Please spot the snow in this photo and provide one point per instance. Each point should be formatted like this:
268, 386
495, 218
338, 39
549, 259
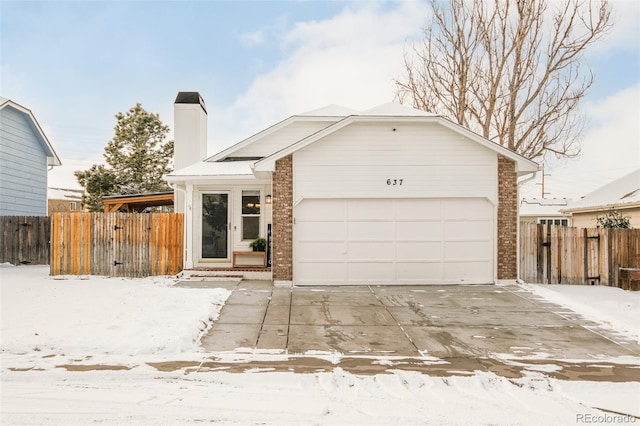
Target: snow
214, 168
612, 308
103, 317
49, 324
625, 190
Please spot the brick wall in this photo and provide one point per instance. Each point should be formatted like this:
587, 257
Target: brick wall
282, 222
507, 219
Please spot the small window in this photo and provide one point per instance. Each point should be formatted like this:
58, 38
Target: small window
250, 215
73, 206
557, 222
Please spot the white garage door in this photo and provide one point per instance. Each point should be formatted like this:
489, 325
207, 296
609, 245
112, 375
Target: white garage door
402, 241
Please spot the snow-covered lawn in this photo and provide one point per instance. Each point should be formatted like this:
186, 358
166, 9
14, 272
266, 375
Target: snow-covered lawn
114, 323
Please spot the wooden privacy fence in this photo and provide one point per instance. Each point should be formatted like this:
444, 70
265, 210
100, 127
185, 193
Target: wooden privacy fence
24, 240
551, 254
116, 244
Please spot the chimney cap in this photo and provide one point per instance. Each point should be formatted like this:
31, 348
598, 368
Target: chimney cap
190, 98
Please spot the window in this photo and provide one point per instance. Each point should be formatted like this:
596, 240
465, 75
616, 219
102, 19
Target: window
250, 215
558, 222
73, 206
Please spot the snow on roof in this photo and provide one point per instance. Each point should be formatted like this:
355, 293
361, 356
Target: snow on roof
214, 168
396, 109
391, 109
329, 111
64, 194
543, 206
625, 190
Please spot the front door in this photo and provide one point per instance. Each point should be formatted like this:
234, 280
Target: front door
215, 226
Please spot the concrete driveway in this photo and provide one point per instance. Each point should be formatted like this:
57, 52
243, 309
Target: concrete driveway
470, 327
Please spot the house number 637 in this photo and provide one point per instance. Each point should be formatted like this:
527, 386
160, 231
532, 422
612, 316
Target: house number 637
393, 182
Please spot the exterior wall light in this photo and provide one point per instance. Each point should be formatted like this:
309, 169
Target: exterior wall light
267, 199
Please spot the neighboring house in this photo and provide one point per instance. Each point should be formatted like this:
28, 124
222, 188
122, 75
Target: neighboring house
64, 200
622, 195
26, 155
392, 195
544, 210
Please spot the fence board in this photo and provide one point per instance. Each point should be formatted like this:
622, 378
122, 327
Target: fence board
116, 244
25, 239
564, 255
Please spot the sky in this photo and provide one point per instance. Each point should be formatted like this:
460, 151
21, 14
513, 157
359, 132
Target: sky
76, 64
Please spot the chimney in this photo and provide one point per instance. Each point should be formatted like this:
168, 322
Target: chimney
189, 130
189, 136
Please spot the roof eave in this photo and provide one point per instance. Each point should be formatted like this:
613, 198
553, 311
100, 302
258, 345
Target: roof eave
601, 207
52, 157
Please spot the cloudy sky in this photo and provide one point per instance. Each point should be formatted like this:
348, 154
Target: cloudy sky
77, 64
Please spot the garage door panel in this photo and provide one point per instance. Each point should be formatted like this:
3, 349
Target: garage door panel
424, 251
419, 231
470, 272
321, 231
467, 231
418, 272
365, 210
460, 250
321, 272
321, 251
370, 231
370, 272
417, 210
371, 251
323, 210
467, 209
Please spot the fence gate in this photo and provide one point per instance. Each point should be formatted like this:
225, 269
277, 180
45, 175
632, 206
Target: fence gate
552, 254
24, 240
117, 244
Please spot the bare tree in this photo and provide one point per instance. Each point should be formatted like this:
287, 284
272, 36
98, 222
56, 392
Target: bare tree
510, 70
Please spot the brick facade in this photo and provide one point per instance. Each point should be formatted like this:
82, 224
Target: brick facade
507, 219
282, 222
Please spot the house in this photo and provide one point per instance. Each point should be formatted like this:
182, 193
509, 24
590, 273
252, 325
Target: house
26, 155
64, 200
391, 195
544, 210
622, 195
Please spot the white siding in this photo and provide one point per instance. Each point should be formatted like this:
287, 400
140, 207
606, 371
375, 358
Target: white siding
23, 167
282, 138
432, 161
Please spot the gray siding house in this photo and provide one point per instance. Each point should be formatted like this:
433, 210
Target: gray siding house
25, 157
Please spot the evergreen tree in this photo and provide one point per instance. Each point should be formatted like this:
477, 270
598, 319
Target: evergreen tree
97, 182
138, 157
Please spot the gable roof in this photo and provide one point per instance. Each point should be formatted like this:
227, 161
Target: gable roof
337, 117
397, 112
52, 157
623, 192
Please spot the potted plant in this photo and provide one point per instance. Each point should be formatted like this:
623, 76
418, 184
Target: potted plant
259, 244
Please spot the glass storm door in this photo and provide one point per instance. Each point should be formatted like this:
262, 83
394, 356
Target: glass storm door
215, 229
